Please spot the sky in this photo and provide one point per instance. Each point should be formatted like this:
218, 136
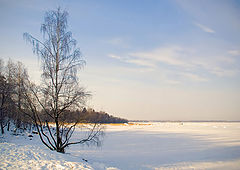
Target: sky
146, 60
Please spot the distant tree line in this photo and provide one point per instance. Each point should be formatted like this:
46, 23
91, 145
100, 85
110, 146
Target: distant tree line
91, 116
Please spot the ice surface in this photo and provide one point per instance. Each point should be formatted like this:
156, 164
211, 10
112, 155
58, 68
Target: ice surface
169, 145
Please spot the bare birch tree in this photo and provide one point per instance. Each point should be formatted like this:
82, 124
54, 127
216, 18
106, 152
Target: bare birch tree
60, 90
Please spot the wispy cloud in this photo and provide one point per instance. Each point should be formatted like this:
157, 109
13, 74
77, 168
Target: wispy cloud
204, 28
168, 55
134, 60
217, 67
115, 56
141, 62
184, 63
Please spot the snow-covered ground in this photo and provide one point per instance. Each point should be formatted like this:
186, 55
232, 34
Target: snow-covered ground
139, 146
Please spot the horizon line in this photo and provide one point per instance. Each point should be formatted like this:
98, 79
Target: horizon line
183, 120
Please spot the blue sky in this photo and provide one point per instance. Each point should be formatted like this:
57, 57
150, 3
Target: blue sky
148, 59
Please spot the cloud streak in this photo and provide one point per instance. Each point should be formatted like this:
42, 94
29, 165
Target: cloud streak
141, 62
167, 55
204, 28
184, 63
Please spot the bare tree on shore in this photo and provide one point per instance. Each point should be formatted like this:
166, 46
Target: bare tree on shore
60, 90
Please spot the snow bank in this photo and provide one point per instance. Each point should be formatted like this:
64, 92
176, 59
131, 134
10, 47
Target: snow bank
14, 156
24, 152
